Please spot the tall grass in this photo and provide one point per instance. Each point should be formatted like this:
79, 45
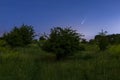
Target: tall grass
114, 50
31, 63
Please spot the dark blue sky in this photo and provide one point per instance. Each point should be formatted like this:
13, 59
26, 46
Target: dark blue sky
87, 16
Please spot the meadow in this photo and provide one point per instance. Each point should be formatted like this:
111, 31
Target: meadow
31, 63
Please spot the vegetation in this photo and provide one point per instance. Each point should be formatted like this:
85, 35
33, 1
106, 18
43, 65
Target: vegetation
30, 62
21, 36
102, 40
62, 42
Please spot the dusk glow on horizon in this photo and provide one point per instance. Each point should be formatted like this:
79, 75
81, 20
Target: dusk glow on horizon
86, 16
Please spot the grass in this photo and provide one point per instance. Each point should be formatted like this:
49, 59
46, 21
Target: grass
31, 63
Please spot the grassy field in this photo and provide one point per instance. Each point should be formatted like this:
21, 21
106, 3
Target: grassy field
31, 63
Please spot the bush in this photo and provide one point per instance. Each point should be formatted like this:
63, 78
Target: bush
21, 36
103, 43
62, 42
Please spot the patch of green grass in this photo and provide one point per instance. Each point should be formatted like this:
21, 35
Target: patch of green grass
31, 63
114, 51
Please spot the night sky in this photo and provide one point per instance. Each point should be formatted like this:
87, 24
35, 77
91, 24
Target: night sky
86, 16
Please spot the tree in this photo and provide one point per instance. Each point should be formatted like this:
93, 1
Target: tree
114, 38
62, 42
21, 36
92, 41
43, 37
103, 33
103, 43
102, 40
84, 41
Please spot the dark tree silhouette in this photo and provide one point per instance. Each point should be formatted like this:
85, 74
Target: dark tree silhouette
102, 40
62, 42
21, 36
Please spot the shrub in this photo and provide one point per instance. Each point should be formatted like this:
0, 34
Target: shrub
62, 42
21, 36
103, 43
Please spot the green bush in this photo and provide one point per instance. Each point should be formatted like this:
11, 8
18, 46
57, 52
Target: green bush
62, 42
102, 42
21, 36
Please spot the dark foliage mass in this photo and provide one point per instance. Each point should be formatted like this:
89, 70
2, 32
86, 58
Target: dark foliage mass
98, 59
62, 42
114, 38
21, 36
102, 42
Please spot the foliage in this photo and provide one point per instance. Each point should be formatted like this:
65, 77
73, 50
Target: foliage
43, 37
21, 36
84, 41
102, 40
114, 39
103, 33
92, 41
114, 50
3, 43
28, 64
32, 63
62, 42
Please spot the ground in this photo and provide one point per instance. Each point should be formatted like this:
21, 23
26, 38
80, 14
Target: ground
31, 63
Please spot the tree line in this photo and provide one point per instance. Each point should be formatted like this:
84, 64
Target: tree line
61, 41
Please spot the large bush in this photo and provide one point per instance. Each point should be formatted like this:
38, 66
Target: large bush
62, 42
21, 36
103, 43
